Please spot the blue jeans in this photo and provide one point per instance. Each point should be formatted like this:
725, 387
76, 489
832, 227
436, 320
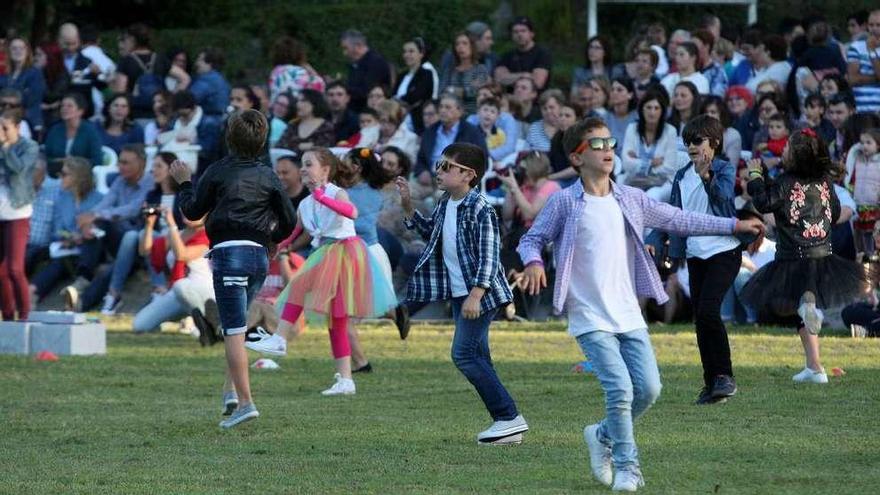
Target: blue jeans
626, 367
239, 272
732, 302
470, 353
126, 256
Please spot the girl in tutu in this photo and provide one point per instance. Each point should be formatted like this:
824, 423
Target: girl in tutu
805, 274
341, 279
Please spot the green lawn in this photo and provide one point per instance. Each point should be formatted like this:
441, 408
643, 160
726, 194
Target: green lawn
144, 418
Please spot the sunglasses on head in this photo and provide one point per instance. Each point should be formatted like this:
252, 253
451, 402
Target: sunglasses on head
597, 144
445, 164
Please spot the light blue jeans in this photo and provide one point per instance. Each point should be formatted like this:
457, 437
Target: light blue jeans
732, 301
185, 295
126, 256
626, 367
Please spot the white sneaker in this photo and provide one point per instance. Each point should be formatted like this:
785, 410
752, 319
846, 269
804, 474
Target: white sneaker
628, 480
858, 331
501, 429
809, 376
110, 305
266, 343
811, 315
600, 455
343, 386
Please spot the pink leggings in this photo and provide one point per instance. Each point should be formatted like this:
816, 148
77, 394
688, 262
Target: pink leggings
14, 288
338, 326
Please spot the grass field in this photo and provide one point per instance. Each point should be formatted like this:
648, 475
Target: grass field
144, 418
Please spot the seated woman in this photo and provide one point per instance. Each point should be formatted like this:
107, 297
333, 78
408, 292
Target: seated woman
541, 132
392, 133
649, 153
714, 107
78, 195
280, 113
312, 126
161, 121
72, 136
119, 129
467, 76
183, 255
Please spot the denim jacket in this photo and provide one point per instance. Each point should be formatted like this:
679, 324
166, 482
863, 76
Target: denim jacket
719, 188
18, 162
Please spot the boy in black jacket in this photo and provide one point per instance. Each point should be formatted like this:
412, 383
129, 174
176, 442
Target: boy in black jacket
247, 211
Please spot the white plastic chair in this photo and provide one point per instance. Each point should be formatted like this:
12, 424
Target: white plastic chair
276, 153
109, 165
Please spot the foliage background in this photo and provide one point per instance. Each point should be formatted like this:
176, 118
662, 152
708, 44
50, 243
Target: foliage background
246, 28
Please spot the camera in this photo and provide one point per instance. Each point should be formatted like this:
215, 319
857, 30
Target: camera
150, 210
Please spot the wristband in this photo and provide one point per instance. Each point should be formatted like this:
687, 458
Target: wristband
535, 262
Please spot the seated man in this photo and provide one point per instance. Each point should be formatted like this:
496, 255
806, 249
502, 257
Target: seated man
42, 225
114, 223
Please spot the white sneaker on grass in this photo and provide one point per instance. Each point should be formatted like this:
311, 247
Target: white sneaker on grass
810, 376
600, 455
628, 480
110, 305
244, 413
266, 343
343, 386
502, 429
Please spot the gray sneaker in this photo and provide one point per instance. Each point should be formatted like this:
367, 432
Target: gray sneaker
230, 402
244, 413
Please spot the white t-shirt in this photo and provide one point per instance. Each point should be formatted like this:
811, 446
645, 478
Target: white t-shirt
777, 71
602, 295
694, 198
697, 78
450, 249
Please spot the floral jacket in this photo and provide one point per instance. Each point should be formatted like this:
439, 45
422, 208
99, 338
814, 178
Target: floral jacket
805, 212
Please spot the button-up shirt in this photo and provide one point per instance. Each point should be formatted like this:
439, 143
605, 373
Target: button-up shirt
444, 139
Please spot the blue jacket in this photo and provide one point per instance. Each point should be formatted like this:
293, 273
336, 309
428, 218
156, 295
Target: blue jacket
66, 210
86, 143
719, 188
18, 164
33, 87
467, 133
211, 92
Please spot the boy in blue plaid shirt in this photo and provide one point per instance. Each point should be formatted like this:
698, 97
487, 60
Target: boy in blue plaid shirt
461, 262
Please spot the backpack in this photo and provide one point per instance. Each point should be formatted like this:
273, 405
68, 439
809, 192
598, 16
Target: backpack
147, 84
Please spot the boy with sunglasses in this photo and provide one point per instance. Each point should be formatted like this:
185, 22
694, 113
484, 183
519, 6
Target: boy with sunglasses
705, 185
602, 266
461, 262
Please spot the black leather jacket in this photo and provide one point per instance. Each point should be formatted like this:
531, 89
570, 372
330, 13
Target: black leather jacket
805, 210
243, 199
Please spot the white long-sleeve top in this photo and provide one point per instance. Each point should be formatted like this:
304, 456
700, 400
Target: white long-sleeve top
666, 147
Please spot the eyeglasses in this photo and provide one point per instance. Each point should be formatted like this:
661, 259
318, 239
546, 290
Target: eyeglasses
445, 164
9, 104
597, 144
696, 140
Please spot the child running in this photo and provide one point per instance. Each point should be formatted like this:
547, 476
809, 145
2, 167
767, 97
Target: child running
462, 262
341, 279
805, 277
248, 211
596, 229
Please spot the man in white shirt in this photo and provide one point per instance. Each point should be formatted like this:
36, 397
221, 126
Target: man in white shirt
768, 62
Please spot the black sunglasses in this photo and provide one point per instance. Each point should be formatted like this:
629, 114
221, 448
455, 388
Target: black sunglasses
696, 140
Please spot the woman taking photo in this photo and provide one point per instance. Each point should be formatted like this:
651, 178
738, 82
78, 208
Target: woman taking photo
18, 159
418, 84
119, 129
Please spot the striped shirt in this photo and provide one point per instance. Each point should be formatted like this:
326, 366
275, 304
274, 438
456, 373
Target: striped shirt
478, 242
867, 95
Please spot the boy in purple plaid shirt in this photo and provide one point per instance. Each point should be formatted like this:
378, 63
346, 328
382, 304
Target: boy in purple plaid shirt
596, 228
461, 262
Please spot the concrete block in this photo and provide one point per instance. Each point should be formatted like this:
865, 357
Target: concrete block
90, 338
62, 317
14, 337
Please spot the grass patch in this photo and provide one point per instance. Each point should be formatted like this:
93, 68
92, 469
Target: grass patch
144, 418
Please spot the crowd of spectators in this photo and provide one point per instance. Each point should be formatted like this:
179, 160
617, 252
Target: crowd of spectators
68, 110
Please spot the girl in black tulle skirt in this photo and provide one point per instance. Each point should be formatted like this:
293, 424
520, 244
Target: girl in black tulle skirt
805, 275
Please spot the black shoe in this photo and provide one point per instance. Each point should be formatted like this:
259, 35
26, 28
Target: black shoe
705, 398
212, 314
367, 368
206, 330
401, 319
723, 386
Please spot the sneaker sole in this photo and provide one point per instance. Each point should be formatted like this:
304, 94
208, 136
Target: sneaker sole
270, 352
324, 394
588, 432
514, 439
247, 417
513, 430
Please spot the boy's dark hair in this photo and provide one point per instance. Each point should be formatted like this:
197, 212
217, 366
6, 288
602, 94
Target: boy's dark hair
775, 46
246, 133
809, 155
844, 97
215, 57
335, 84
703, 126
574, 135
652, 55
491, 102
183, 100
861, 17
469, 155
751, 37
371, 170
369, 111
780, 117
705, 36
815, 99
